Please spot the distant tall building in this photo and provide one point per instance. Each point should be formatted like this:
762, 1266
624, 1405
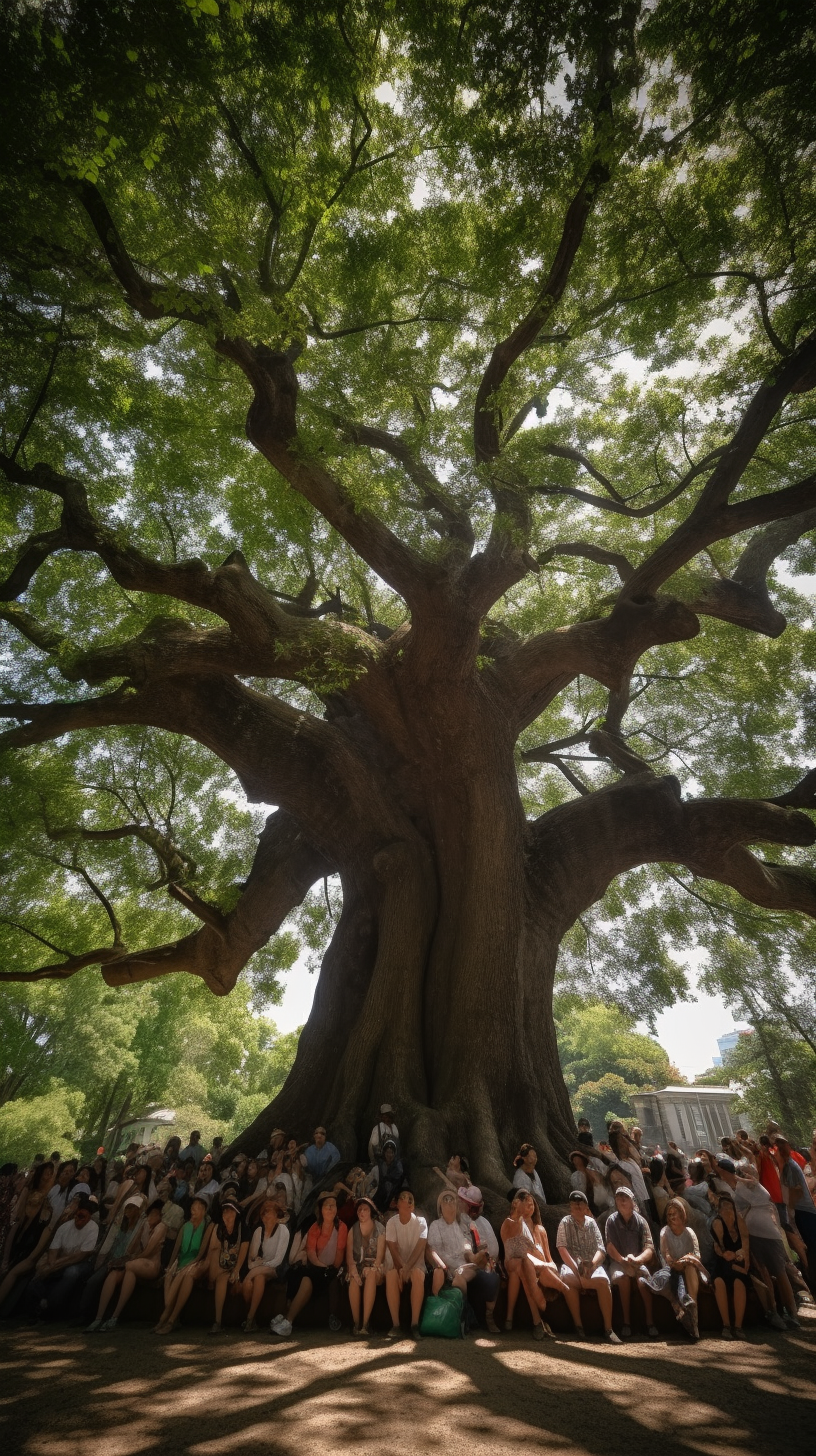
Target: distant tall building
726, 1044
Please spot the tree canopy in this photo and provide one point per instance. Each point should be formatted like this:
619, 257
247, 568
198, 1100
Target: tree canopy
520, 301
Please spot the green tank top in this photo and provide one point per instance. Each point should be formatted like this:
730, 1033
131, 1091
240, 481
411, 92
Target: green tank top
190, 1243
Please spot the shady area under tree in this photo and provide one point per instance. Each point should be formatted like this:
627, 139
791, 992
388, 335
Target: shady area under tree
408, 481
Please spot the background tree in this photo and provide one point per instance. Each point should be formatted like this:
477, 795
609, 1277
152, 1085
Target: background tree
605, 1060
410, 410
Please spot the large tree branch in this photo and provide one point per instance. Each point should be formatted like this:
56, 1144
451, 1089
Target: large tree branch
271, 427
579, 848
605, 649
433, 495
712, 518
744, 599
284, 868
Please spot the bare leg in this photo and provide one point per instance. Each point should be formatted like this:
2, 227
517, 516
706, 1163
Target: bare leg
624, 1288
134, 1269
300, 1300
108, 1291
721, 1296
221, 1284
392, 1294
369, 1294
437, 1281
692, 1278
604, 1293
260, 1279
182, 1294
572, 1295
740, 1300
648, 1300
355, 1294
417, 1294
513, 1289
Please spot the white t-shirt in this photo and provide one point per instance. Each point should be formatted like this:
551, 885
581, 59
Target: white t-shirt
57, 1198
636, 1179
72, 1240
754, 1203
406, 1236
487, 1236
450, 1241
272, 1250
531, 1182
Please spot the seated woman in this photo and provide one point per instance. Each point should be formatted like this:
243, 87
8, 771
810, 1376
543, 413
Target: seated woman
141, 1261
226, 1255
528, 1262
267, 1255
365, 1258
135, 1181
32, 1201
325, 1254
453, 1258
190, 1247
679, 1281
582, 1251
406, 1238
731, 1264
112, 1252
29, 1239
526, 1175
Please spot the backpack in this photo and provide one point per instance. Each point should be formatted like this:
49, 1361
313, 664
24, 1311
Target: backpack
443, 1314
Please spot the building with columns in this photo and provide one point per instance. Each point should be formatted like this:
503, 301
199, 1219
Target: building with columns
692, 1117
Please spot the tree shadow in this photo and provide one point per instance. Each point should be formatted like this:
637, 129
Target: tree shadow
134, 1394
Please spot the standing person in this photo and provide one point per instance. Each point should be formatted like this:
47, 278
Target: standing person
325, 1255
406, 1237
799, 1201
191, 1244
631, 1249
320, 1156
732, 1261
582, 1252
528, 1262
64, 1265
193, 1150
267, 1254
385, 1128
526, 1175
365, 1258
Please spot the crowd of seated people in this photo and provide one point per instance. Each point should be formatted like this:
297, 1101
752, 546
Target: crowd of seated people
76, 1240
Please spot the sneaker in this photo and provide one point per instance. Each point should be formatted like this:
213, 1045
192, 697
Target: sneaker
249, 1327
395, 1333
626, 1332
725, 1333
93, 1327
802, 1298
335, 1324
215, 1329
356, 1330
284, 1328
612, 1338
653, 1332
580, 1332
365, 1332
791, 1322
416, 1333
539, 1331
739, 1333
775, 1321
110, 1324
508, 1325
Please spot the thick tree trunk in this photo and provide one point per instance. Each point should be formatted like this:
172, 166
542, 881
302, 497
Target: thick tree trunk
436, 992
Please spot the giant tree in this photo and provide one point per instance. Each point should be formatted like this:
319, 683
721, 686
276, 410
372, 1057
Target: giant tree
407, 407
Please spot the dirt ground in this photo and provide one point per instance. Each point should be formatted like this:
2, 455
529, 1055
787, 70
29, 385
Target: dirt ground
133, 1394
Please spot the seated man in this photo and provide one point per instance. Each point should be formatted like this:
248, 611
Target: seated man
582, 1252
631, 1249
406, 1236
65, 1264
320, 1155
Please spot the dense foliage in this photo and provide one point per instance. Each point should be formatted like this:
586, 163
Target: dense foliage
200, 196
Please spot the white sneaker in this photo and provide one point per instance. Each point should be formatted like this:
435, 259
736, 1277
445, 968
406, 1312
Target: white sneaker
276, 1320
284, 1328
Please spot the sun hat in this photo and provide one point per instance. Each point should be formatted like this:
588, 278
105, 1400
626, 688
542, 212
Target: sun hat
370, 1201
129, 1202
444, 1196
471, 1195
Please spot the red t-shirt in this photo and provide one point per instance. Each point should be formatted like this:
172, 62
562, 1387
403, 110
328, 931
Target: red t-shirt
769, 1178
797, 1158
317, 1239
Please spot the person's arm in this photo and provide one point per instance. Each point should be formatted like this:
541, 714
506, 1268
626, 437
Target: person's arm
312, 1256
342, 1242
379, 1258
794, 1189
614, 1254
600, 1253
432, 1255
566, 1256
255, 1257
717, 1236
647, 1252
351, 1265
745, 1250
445, 1179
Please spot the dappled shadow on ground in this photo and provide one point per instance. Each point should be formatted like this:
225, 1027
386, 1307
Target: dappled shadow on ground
134, 1394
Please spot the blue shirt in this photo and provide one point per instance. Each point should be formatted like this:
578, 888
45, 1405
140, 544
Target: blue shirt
320, 1160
